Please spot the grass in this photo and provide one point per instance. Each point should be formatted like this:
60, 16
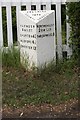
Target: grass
53, 84
11, 58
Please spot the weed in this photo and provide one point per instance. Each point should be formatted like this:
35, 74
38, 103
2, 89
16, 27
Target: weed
52, 84
11, 58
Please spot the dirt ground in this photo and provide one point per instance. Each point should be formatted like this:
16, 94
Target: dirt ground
70, 109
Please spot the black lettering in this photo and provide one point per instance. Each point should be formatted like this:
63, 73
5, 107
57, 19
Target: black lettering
34, 48
33, 26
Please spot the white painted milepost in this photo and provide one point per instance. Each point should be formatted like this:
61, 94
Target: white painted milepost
37, 37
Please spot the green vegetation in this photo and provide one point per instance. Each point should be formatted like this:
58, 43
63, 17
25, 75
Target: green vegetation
14, 27
53, 84
73, 12
11, 58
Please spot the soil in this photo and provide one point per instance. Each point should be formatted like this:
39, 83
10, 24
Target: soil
69, 109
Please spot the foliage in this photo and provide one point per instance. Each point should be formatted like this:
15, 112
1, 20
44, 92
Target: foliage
52, 84
11, 58
4, 18
73, 12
